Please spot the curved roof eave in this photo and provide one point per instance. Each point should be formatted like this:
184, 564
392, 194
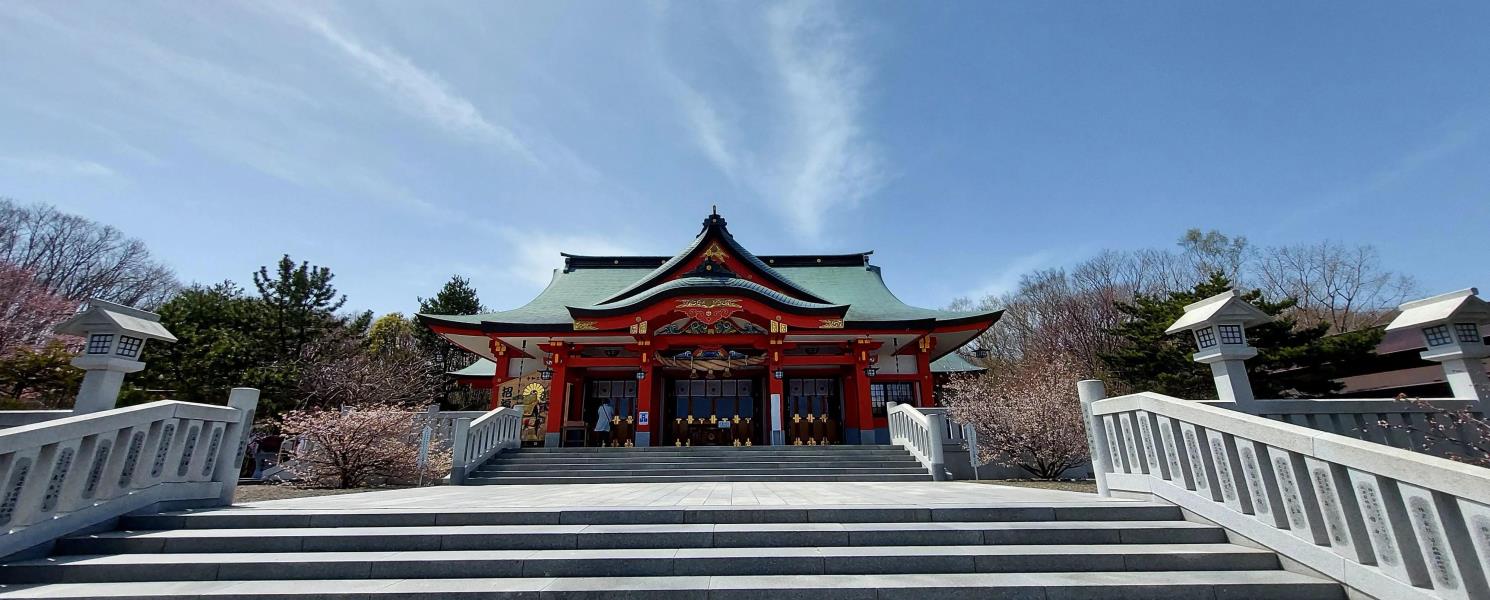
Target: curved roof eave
715, 224
708, 285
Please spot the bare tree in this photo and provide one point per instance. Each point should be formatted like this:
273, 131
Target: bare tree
1211, 251
1344, 286
77, 258
340, 370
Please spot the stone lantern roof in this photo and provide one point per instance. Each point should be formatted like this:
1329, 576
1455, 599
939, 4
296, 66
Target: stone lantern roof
1463, 305
1226, 306
102, 316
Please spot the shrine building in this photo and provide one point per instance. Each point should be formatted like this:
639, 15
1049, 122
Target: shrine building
713, 346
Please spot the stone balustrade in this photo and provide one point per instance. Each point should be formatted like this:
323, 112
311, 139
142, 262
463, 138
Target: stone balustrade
1384, 521
921, 433
70, 474
475, 441
1363, 419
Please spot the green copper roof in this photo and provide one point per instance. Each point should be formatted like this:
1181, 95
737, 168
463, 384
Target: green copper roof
480, 368
596, 285
715, 227
951, 363
859, 287
707, 285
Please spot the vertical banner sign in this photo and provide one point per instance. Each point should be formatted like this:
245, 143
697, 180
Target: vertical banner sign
424, 437
643, 417
775, 412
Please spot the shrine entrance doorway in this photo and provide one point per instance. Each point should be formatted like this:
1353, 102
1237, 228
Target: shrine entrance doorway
814, 412
712, 412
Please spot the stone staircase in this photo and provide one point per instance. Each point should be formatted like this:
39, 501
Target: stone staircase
665, 464
1016, 550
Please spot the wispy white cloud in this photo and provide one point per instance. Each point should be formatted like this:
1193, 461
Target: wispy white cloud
57, 166
535, 254
420, 92
832, 161
811, 152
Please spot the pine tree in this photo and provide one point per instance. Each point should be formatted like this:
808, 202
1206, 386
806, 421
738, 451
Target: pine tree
1292, 361
457, 297
301, 302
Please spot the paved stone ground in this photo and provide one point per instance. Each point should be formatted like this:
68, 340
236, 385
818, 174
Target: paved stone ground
688, 494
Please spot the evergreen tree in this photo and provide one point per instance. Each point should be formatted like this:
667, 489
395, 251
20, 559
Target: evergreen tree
301, 302
457, 297
219, 346
39, 377
1292, 361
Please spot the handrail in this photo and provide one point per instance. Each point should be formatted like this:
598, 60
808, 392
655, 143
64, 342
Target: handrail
1396, 423
68, 474
923, 434
952, 432
475, 441
1387, 522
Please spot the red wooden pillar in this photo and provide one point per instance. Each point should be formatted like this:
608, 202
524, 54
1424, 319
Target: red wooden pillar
865, 421
644, 396
557, 394
499, 375
923, 371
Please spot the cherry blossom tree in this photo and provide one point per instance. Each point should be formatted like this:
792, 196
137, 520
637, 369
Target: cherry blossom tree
28, 311
370, 444
1029, 417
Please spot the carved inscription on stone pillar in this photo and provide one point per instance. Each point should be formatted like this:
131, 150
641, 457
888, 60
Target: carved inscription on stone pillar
1260, 502
1376, 523
1290, 490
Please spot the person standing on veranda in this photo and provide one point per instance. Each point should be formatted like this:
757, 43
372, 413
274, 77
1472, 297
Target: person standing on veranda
603, 417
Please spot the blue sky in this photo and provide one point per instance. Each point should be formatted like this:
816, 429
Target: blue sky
402, 142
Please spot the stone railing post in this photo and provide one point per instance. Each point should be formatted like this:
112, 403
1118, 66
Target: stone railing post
936, 423
1092, 390
235, 441
459, 450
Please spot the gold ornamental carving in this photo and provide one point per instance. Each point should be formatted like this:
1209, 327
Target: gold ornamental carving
585, 326
715, 252
709, 303
831, 324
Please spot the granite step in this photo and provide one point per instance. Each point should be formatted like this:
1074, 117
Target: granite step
837, 448
689, 478
229, 518
664, 466
642, 470
638, 562
593, 459
1206, 585
666, 535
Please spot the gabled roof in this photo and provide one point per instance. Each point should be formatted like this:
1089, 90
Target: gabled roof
707, 285
1463, 304
1225, 306
951, 363
133, 321
843, 284
715, 229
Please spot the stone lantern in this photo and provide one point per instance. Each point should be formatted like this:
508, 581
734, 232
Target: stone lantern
1453, 328
1218, 325
114, 339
